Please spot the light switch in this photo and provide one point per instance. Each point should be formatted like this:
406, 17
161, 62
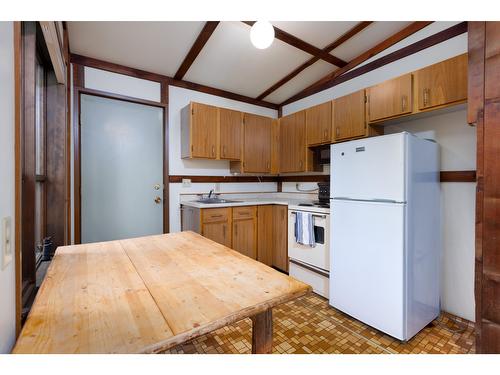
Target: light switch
186, 182
6, 241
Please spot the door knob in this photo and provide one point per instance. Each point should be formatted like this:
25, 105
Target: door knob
157, 200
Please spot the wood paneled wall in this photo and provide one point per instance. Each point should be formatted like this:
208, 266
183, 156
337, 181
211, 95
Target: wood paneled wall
484, 112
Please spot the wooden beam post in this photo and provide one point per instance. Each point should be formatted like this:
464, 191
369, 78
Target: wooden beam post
262, 332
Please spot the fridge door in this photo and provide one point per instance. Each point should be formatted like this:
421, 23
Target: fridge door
369, 169
367, 263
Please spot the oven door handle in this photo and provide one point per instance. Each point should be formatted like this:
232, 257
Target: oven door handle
314, 215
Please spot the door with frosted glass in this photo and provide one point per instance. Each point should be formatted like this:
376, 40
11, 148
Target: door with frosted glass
121, 153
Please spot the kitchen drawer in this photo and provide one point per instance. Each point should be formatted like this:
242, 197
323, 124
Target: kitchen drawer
212, 215
244, 212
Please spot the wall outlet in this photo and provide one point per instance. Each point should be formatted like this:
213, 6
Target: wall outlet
186, 182
6, 241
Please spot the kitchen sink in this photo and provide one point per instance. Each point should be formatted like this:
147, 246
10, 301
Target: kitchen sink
215, 200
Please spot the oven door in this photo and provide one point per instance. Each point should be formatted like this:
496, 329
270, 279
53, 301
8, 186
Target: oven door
318, 256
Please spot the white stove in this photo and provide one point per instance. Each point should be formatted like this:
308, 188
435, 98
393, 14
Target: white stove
311, 264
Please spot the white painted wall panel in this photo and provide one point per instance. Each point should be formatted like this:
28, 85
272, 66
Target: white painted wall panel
103, 80
7, 197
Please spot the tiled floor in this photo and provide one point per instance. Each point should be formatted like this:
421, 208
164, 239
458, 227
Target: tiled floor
310, 325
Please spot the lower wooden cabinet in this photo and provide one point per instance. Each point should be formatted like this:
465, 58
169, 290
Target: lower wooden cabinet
265, 234
245, 231
259, 232
280, 229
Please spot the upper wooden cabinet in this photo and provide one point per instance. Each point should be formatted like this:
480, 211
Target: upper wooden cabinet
349, 116
293, 142
390, 98
231, 123
319, 124
442, 83
257, 132
199, 123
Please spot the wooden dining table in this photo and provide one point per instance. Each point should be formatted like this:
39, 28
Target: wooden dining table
149, 294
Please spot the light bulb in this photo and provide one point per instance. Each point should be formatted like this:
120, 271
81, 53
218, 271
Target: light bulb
262, 34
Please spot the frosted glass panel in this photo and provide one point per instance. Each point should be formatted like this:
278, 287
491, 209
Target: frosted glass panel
121, 162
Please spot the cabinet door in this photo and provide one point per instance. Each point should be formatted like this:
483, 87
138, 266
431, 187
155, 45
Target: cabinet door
349, 116
442, 83
390, 98
256, 144
230, 134
319, 124
293, 142
204, 119
280, 249
218, 232
265, 234
245, 237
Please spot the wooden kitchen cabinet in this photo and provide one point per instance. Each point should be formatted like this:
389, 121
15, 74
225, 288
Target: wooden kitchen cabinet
280, 240
319, 124
245, 230
295, 156
257, 131
199, 125
442, 83
265, 234
216, 225
231, 124
349, 116
390, 98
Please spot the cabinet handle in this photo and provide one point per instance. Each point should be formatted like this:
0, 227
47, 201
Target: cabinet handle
215, 215
337, 131
301, 163
325, 134
403, 103
223, 150
268, 166
224, 231
426, 97
235, 229
213, 150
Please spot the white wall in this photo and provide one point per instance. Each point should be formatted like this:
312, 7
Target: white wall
458, 150
178, 98
7, 157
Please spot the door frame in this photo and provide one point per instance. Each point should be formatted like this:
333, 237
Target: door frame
79, 89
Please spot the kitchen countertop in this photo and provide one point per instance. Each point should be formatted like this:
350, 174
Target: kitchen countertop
291, 203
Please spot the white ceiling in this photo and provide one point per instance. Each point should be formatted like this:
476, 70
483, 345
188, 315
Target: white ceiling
228, 61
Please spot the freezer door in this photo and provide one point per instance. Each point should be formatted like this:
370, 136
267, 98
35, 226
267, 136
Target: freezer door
367, 263
369, 169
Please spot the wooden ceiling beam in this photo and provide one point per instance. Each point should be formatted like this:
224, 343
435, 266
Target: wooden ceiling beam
332, 79
137, 73
304, 46
196, 48
342, 39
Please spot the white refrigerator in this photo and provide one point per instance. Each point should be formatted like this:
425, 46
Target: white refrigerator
385, 241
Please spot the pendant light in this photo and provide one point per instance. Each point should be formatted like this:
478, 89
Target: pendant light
262, 34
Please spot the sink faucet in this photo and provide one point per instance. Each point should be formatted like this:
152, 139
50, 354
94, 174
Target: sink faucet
210, 193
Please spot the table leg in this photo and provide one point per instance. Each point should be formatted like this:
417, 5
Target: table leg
262, 332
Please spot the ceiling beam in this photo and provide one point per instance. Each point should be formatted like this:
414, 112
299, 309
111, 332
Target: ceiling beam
304, 46
333, 79
342, 39
198, 45
137, 73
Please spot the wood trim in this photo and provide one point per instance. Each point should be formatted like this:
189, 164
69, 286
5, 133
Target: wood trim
18, 105
445, 176
198, 45
78, 83
342, 39
458, 176
304, 46
215, 179
166, 185
137, 73
329, 79
67, 238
